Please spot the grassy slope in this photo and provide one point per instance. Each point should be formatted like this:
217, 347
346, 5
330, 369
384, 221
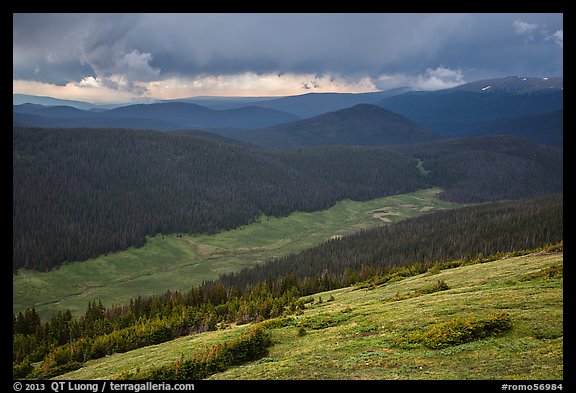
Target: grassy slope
365, 339
178, 263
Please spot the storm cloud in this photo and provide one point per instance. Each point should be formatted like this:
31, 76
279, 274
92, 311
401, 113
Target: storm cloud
130, 51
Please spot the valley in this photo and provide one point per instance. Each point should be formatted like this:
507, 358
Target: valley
179, 261
387, 235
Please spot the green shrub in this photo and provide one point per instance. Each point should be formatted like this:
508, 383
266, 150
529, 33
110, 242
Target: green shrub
218, 358
317, 323
554, 271
440, 285
22, 370
459, 331
278, 322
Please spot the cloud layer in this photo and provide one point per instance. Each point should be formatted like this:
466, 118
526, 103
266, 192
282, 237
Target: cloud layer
135, 53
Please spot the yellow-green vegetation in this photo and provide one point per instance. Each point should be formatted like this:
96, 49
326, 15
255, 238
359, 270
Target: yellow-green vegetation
179, 262
494, 320
460, 331
154, 356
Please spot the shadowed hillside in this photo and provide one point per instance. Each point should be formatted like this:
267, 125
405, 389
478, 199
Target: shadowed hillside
365, 125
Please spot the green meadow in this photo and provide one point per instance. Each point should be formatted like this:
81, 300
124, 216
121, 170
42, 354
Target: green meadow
375, 332
179, 262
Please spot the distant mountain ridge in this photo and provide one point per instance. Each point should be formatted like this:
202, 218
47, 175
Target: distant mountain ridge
456, 111
301, 105
18, 99
363, 125
161, 116
523, 106
314, 104
513, 84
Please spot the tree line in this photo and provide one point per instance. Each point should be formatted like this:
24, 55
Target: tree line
279, 286
459, 234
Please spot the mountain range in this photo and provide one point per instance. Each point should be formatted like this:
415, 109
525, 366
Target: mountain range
522, 106
19, 99
160, 116
314, 104
477, 105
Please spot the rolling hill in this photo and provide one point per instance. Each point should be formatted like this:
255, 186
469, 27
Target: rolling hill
421, 299
363, 124
302, 105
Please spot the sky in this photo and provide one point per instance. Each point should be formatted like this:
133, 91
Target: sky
111, 58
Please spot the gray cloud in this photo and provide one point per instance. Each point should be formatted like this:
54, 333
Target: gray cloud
558, 38
69, 47
521, 27
341, 43
123, 50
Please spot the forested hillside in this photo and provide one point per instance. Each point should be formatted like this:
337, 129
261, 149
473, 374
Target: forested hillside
363, 125
462, 234
78, 193
444, 239
81, 193
547, 128
489, 168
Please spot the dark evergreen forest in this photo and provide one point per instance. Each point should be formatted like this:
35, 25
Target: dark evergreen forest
490, 168
79, 193
460, 234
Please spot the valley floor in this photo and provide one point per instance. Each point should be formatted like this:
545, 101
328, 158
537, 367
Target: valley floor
368, 333
180, 262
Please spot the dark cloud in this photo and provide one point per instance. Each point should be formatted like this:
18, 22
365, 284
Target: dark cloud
124, 49
58, 48
342, 43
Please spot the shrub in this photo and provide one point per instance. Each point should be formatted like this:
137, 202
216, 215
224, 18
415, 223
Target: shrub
22, 369
459, 331
555, 271
218, 358
440, 285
